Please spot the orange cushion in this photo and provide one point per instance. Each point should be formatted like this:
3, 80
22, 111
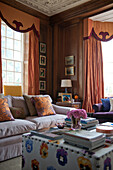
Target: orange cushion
5, 113
43, 106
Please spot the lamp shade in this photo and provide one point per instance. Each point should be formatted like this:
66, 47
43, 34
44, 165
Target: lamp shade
66, 83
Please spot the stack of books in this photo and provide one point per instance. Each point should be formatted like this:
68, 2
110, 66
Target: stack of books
106, 128
84, 139
68, 122
89, 123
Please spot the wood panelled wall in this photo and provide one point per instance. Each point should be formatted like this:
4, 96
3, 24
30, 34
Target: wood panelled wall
68, 40
66, 43
63, 34
46, 37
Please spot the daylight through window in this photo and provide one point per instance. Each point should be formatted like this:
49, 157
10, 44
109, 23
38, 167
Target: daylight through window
12, 56
107, 49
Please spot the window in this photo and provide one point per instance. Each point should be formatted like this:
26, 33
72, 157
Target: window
107, 49
12, 56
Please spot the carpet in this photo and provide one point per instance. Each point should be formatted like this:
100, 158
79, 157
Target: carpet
12, 164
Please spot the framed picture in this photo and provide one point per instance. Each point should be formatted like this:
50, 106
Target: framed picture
69, 71
69, 60
42, 85
42, 60
42, 48
42, 72
66, 97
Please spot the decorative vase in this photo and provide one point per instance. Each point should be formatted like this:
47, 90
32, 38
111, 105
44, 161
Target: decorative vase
75, 123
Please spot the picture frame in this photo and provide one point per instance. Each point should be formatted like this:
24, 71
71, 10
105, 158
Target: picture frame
69, 60
42, 85
66, 97
42, 72
69, 71
43, 48
43, 60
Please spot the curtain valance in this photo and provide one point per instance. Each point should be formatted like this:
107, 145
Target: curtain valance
102, 31
18, 20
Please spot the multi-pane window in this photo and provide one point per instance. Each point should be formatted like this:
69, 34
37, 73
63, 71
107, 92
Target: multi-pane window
12, 56
107, 49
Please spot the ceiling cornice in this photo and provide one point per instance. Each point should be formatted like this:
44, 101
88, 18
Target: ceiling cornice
82, 11
52, 7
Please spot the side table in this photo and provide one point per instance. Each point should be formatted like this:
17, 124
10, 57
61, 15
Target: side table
76, 105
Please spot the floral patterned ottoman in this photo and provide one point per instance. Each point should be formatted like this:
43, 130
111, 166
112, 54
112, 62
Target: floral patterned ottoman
42, 154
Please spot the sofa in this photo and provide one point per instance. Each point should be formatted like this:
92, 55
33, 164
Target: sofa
11, 131
104, 111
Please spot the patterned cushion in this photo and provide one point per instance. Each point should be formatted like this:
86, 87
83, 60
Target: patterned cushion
5, 113
9, 100
30, 105
43, 106
18, 113
20, 102
106, 104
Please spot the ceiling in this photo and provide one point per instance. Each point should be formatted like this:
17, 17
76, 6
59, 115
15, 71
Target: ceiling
52, 7
104, 17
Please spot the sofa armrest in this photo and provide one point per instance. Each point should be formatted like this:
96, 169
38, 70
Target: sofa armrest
62, 109
97, 107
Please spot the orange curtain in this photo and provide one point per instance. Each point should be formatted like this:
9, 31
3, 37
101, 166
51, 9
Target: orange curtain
0, 61
93, 73
18, 20
102, 31
23, 22
33, 64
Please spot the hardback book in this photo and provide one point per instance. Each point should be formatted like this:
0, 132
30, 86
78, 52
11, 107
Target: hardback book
46, 134
84, 139
68, 119
89, 128
68, 124
94, 123
104, 129
86, 144
83, 134
87, 120
107, 124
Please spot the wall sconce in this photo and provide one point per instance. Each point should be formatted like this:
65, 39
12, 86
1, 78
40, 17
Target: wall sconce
66, 83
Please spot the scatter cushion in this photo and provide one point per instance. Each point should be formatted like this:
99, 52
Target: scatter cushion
106, 104
31, 107
9, 100
20, 102
111, 104
5, 114
43, 106
18, 113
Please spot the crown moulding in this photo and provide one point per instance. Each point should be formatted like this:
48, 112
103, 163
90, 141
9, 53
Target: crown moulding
51, 7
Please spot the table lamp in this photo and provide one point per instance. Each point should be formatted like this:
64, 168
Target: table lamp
66, 83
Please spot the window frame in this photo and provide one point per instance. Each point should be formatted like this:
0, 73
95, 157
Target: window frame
21, 60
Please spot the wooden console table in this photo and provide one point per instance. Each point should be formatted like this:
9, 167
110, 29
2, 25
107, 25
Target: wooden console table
76, 105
